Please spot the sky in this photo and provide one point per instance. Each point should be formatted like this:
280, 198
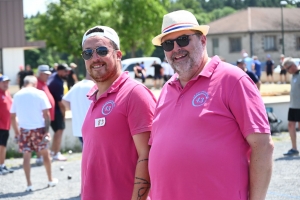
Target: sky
32, 7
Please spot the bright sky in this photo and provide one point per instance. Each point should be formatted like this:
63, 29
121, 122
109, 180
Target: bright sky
32, 7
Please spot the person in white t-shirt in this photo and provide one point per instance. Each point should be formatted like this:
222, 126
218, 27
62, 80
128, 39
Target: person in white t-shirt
31, 107
168, 70
77, 101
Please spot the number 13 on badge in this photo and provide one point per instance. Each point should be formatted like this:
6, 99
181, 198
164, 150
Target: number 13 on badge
100, 122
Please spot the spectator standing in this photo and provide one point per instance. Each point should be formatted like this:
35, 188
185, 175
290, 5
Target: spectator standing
294, 110
248, 62
257, 67
158, 73
28, 70
56, 87
168, 70
115, 132
5, 105
269, 69
31, 107
283, 78
199, 127
72, 77
21, 76
240, 63
76, 100
139, 72
43, 74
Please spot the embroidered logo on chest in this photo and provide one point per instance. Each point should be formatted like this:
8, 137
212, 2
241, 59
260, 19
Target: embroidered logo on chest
108, 107
199, 99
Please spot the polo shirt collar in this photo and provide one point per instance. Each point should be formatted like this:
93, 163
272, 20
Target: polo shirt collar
115, 86
206, 72
41, 82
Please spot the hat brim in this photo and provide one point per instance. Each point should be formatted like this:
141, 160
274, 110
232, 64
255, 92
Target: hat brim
157, 40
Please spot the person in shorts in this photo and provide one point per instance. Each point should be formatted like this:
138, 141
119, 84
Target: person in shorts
158, 74
31, 107
283, 76
5, 104
56, 87
294, 110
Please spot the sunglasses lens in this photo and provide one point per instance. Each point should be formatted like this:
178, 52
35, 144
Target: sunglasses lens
168, 45
87, 54
183, 41
102, 51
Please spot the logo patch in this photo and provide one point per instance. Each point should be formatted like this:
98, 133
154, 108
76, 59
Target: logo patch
199, 99
108, 107
100, 122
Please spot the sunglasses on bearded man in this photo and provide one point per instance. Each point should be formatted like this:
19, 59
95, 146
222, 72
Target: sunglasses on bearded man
182, 41
88, 53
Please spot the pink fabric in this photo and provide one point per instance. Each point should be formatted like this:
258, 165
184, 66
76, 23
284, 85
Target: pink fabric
109, 155
198, 136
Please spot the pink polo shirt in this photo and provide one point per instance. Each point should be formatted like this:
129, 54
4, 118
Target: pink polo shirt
198, 135
109, 155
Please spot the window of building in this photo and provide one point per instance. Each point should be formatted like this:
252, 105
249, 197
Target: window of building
235, 44
270, 43
215, 42
298, 43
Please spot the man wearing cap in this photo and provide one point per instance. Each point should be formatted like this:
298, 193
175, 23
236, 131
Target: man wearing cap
56, 87
240, 63
43, 74
5, 105
294, 110
210, 136
115, 131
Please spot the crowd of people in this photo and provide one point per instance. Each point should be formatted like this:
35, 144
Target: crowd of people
193, 128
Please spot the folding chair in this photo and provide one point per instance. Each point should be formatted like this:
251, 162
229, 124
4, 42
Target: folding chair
273, 120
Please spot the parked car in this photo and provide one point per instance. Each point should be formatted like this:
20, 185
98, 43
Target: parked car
128, 64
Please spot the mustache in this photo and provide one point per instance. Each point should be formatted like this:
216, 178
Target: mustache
179, 52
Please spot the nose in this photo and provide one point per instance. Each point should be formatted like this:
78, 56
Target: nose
176, 46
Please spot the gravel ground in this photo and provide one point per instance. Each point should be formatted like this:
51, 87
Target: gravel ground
285, 183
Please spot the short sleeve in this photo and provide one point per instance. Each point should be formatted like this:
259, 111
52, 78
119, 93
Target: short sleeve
140, 110
247, 106
45, 103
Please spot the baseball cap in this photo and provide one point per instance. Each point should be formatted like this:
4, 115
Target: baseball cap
4, 78
44, 69
239, 61
105, 32
62, 67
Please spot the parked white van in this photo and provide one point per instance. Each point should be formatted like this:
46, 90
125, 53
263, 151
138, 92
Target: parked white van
128, 64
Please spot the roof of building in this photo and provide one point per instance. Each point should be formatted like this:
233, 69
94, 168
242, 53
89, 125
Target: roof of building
255, 19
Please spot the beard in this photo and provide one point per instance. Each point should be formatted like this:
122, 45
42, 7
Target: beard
105, 72
187, 67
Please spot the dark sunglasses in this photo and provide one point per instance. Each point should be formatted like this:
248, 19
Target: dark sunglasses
182, 41
88, 53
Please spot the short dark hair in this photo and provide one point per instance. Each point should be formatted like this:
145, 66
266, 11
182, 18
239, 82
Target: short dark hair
97, 29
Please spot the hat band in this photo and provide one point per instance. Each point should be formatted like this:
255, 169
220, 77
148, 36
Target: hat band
174, 27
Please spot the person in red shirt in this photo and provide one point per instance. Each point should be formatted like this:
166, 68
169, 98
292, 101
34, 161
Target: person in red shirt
5, 104
42, 76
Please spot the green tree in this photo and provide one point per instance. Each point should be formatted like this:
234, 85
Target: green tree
137, 22
64, 23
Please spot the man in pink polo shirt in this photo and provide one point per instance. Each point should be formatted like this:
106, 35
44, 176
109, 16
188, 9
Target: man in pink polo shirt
117, 126
210, 136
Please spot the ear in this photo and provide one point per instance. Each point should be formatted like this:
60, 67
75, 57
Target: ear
203, 39
119, 55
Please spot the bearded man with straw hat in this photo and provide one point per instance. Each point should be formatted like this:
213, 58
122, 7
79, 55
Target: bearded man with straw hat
210, 136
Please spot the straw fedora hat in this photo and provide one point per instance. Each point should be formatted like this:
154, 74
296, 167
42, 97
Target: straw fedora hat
178, 21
